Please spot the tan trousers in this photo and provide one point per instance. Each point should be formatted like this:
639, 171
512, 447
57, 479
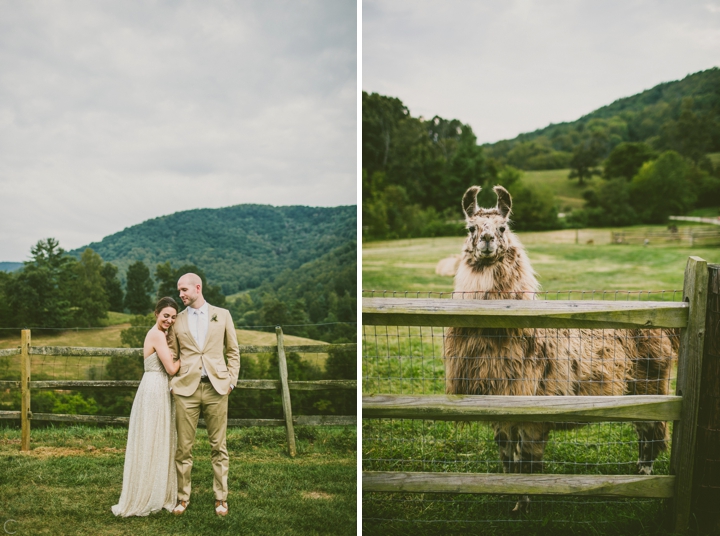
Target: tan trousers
187, 412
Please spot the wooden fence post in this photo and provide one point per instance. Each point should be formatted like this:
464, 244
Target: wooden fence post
688, 386
25, 390
706, 484
287, 407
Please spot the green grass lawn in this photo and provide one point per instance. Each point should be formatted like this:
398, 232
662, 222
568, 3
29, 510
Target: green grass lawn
72, 476
409, 265
567, 192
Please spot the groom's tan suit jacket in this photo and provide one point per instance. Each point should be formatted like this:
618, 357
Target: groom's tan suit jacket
220, 335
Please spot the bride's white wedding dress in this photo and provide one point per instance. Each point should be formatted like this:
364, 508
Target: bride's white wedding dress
149, 477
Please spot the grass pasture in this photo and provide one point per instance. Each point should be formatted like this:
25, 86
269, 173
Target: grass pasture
409, 360
409, 265
72, 476
567, 192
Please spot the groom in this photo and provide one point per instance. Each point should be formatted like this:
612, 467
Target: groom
203, 382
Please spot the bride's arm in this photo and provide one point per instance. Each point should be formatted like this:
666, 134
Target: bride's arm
166, 357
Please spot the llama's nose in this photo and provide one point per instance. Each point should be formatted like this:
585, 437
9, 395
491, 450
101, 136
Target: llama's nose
486, 237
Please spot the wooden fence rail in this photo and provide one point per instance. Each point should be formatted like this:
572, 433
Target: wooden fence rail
682, 408
284, 385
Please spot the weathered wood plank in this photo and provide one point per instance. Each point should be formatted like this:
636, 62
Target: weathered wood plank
82, 351
272, 385
321, 348
302, 420
84, 384
659, 486
25, 342
690, 354
705, 490
64, 417
7, 352
249, 422
523, 313
255, 349
9, 414
287, 407
523, 408
321, 385
326, 420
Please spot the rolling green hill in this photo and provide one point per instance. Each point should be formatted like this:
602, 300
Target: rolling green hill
238, 247
683, 115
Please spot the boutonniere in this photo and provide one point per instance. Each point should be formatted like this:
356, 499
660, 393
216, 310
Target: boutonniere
214, 318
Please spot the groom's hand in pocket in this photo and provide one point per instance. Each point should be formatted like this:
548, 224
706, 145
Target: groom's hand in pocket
230, 390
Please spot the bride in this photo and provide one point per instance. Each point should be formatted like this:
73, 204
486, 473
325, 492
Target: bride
149, 477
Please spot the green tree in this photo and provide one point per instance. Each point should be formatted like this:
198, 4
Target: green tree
380, 118
691, 134
626, 159
662, 188
533, 208
89, 298
41, 291
6, 288
139, 287
134, 336
608, 206
113, 287
167, 279
585, 159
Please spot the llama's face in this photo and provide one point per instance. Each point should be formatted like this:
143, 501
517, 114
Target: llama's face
488, 231
487, 236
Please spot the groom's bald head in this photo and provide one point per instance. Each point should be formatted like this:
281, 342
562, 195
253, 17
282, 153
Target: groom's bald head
190, 289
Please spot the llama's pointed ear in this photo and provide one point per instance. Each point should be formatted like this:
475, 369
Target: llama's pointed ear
504, 203
469, 201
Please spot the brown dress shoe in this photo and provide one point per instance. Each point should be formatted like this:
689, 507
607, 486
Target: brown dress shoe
180, 507
221, 508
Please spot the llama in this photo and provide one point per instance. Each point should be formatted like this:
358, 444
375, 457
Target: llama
542, 362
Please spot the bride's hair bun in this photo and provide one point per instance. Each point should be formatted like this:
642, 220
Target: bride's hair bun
167, 301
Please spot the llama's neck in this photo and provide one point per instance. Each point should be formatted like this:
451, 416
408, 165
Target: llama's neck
512, 277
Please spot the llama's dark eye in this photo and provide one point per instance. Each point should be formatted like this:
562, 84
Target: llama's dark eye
501, 228
471, 228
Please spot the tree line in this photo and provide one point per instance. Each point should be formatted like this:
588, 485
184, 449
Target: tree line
415, 172
56, 290
642, 185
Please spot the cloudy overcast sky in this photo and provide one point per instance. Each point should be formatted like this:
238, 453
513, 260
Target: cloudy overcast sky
115, 112
512, 66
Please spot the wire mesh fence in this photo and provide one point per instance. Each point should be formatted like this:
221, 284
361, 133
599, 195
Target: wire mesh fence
423, 360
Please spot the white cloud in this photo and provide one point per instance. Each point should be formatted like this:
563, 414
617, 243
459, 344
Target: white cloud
112, 113
512, 67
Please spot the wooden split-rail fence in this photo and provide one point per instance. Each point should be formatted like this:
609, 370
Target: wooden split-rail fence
693, 483
284, 385
691, 236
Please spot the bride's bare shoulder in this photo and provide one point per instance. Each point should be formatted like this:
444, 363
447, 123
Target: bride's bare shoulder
154, 335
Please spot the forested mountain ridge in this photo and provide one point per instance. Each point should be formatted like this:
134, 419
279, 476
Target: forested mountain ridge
238, 247
682, 115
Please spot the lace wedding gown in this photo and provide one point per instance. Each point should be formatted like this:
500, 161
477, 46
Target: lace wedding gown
149, 477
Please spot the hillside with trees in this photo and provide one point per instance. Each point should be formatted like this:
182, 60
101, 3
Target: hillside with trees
238, 247
682, 116
651, 149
